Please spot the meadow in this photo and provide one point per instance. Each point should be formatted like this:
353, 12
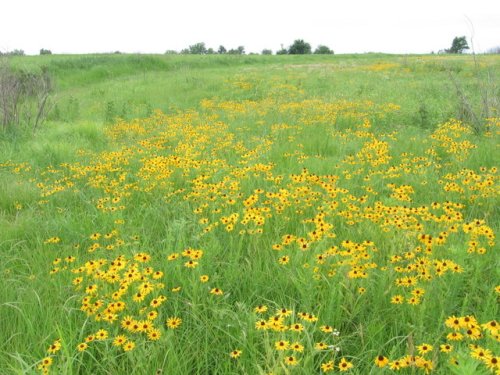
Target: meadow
253, 215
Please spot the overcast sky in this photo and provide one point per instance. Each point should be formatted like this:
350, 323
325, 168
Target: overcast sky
154, 26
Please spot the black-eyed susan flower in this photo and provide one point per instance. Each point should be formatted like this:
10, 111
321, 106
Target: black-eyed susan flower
291, 361
397, 299
216, 291
381, 361
82, 346
46, 362
453, 322
154, 334
297, 347
281, 345
493, 363
260, 309
204, 278
152, 315
261, 324
344, 365
446, 348
481, 353
328, 366
296, 327
473, 333
174, 322
54, 347
120, 340
128, 346
326, 329
235, 354
173, 256
320, 346
424, 349
454, 336
283, 260
395, 365
102, 334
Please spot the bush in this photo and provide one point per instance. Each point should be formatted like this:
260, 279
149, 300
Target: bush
267, 52
238, 51
323, 50
459, 45
299, 47
24, 97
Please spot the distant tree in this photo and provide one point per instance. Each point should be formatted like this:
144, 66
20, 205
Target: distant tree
198, 49
495, 50
171, 52
46, 52
185, 51
282, 51
221, 50
210, 51
323, 50
238, 51
299, 47
459, 45
16, 52
267, 52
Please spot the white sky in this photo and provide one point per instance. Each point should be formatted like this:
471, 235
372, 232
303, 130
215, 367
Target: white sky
154, 26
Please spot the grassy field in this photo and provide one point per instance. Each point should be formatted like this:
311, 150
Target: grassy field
253, 215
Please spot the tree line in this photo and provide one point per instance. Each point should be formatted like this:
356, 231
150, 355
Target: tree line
298, 47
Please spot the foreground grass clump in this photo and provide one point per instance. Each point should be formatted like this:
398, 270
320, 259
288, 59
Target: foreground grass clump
267, 230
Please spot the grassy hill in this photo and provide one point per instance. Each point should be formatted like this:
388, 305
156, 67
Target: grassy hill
253, 215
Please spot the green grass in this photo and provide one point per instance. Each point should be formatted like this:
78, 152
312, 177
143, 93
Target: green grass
232, 125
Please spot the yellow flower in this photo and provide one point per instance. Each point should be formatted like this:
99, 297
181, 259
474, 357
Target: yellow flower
344, 365
328, 366
424, 349
120, 340
174, 322
291, 361
381, 361
235, 353
217, 292
55, 347
128, 346
445, 348
261, 324
260, 309
154, 334
320, 346
204, 278
281, 345
297, 347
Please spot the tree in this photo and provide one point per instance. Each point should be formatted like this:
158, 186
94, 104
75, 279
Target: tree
459, 45
198, 49
323, 50
16, 52
267, 52
282, 51
44, 51
495, 50
221, 50
238, 51
299, 47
